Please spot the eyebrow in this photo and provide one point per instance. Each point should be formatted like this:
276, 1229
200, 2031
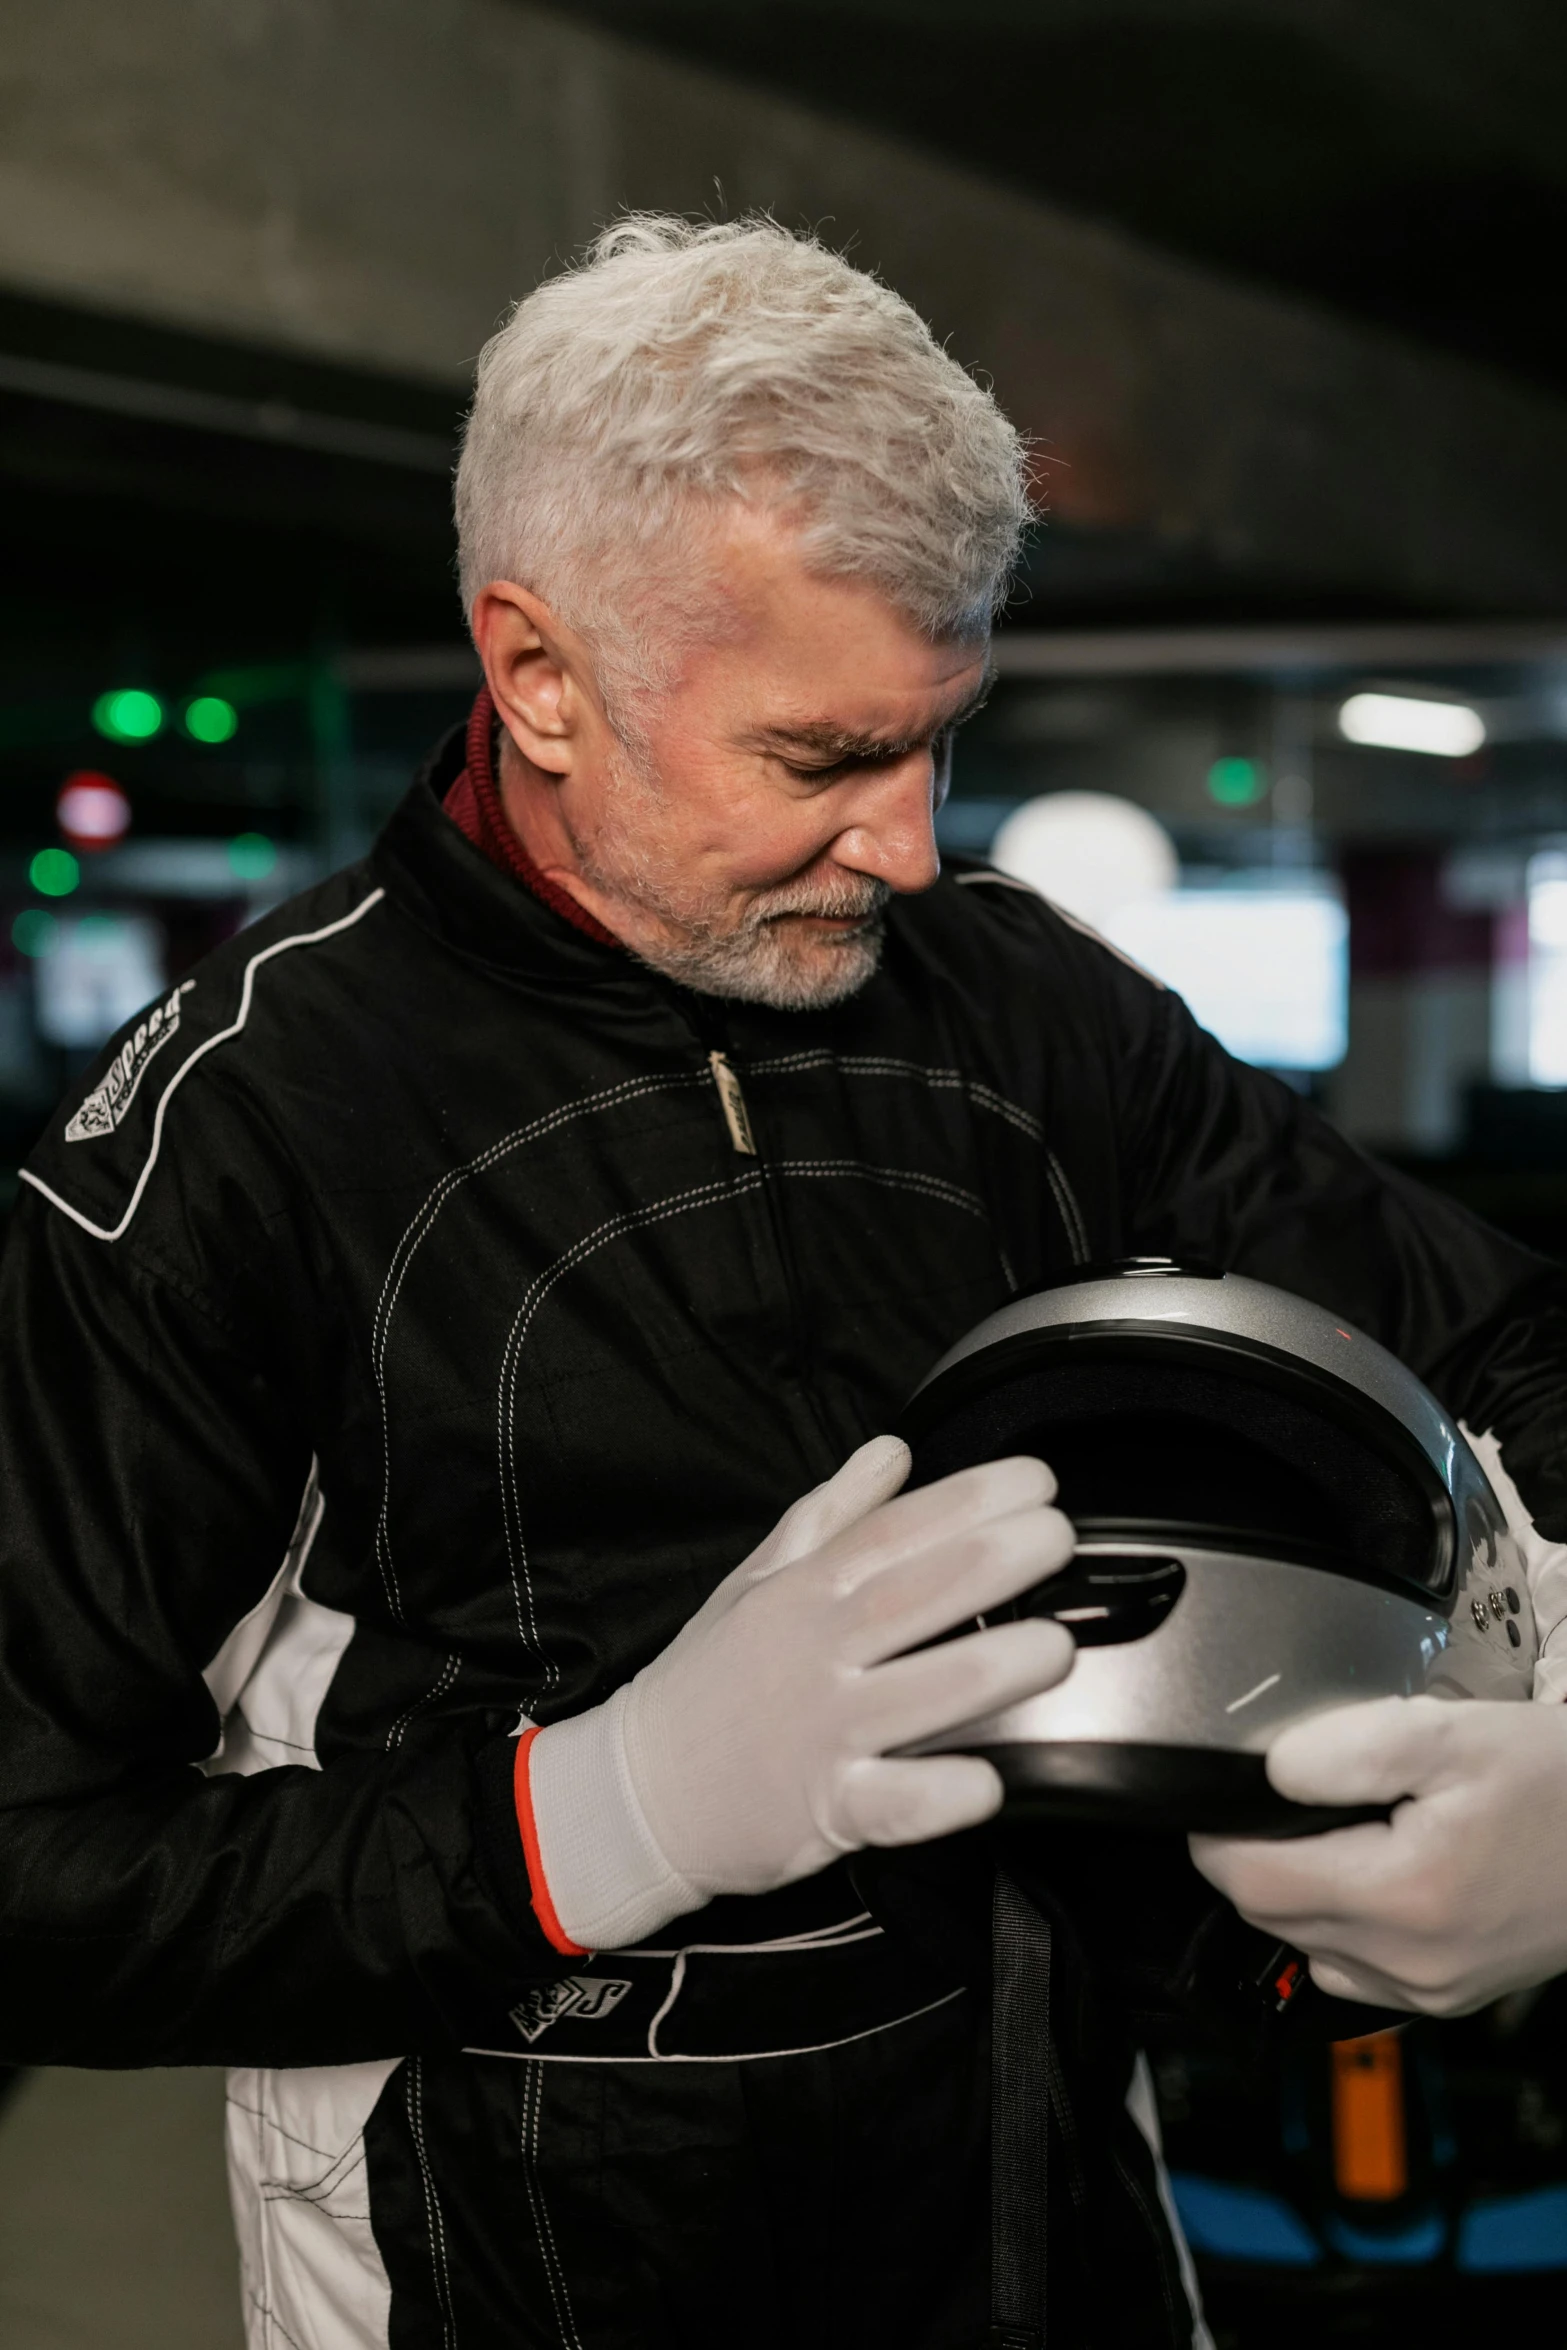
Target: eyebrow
836, 745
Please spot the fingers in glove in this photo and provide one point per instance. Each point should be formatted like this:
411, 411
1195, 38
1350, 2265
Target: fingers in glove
893, 1801
1300, 1885
938, 1689
1377, 1752
1399, 1905
868, 1479
1343, 1978
1373, 1752
958, 1576
934, 1514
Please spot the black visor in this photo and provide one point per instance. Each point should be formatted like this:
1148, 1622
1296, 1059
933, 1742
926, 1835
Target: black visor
1171, 1437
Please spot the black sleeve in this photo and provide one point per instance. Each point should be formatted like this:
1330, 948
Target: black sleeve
1224, 1162
151, 1469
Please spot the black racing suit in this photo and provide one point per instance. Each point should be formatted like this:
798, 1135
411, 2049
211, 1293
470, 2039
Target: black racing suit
397, 1342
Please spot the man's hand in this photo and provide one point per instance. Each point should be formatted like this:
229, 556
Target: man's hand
766, 1739
1461, 1896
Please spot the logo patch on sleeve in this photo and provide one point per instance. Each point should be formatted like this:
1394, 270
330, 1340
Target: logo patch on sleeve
584, 1996
109, 1100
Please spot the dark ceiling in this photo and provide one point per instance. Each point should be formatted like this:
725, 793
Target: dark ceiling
1404, 160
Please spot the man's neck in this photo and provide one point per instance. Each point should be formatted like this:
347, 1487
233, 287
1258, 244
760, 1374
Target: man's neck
530, 803
474, 804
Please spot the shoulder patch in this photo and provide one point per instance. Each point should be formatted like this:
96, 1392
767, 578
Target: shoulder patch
206, 1014
114, 1093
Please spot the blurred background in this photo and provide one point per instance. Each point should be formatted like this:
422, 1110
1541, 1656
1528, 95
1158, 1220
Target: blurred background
1281, 701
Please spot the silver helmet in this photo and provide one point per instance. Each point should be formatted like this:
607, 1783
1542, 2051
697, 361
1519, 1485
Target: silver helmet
1273, 1516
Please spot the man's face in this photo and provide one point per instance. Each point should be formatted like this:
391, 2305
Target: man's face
779, 792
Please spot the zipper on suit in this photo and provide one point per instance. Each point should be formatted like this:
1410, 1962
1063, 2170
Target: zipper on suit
732, 1100
705, 1019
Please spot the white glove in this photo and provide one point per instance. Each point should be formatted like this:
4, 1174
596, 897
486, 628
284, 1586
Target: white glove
763, 1742
1461, 1896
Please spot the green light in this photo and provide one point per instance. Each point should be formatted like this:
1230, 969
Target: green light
34, 932
128, 715
211, 719
251, 856
1236, 783
54, 873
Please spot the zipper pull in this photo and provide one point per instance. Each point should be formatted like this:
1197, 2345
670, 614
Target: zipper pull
736, 1116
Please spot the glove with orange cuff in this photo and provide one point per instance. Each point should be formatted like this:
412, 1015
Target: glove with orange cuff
766, 1739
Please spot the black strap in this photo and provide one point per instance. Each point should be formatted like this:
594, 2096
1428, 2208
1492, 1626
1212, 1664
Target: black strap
1021, 2064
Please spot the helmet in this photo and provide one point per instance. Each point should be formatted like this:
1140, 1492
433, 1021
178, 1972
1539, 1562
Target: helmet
1273, 1516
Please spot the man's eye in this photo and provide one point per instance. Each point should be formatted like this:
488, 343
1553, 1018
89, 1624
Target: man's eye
816, 774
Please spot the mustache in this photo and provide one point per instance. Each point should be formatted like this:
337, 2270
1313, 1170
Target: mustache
852, 897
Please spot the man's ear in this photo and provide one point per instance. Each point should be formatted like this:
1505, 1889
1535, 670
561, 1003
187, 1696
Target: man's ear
531, 668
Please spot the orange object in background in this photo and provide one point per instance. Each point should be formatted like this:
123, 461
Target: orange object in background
1370, 2158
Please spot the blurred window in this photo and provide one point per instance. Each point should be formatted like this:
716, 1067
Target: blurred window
97, 971
1265, 969
1548, 969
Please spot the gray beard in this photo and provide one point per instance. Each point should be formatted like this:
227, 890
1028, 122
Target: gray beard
762, 958
766, 961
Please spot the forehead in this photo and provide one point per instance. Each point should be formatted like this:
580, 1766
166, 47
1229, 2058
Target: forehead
801, 652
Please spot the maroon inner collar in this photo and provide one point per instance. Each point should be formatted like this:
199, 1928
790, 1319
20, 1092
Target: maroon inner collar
474, 806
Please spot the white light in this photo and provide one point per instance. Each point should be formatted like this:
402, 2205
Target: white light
1265, 970
1400, 722
1548, 915
1087, 851
1547, 969
92, 810
1548, 1021
101, 969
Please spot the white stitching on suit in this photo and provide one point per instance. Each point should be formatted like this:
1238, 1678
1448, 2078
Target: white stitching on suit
809, 1943
448, 1674
744, 2056
986, 1098
677, 1978
613, 1228
417, 1231
891, 1178
281, 946
533, 2098
677, 1973
434, 2221
632, 1220
424, 1219
815, 1938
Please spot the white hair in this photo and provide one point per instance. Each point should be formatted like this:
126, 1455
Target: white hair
682, 364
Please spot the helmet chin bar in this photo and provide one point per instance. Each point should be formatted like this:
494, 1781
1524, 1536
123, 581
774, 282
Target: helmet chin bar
1179, 1787
1274, 1517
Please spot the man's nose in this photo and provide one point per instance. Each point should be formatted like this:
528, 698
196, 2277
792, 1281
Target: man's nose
891, 832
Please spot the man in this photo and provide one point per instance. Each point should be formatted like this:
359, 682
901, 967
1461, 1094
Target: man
424, 1691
